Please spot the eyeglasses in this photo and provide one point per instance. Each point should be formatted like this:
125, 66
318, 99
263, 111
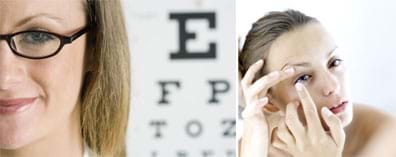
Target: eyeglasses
39, 44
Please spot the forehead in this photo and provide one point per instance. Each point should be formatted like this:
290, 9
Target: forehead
307, 43
66, 11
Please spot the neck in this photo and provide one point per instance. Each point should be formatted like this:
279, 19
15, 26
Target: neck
64, 141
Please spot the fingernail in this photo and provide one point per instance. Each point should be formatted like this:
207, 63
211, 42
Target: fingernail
265, 99
259, 61
289, 70
299, 86
273, 74
326, 111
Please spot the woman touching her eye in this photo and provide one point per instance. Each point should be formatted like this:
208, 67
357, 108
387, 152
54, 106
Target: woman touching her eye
297, 101
64, 78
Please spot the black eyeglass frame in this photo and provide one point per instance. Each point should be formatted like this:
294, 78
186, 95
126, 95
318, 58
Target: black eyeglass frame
63, 41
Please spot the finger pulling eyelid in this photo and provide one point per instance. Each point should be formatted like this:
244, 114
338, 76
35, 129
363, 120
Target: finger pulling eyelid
299, 71
288, 70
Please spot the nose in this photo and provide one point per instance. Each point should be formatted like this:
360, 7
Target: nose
10, 71
330, 84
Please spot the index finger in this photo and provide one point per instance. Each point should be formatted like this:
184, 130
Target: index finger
266, 82
309, 108
250, 73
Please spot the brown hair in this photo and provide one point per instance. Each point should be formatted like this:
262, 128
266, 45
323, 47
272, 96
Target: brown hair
105, 95
264, 32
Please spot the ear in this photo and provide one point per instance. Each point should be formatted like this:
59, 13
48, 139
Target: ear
271, 108
273, 104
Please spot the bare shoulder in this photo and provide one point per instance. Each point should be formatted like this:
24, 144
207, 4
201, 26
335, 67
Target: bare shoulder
370, 119
371, 114
376, 128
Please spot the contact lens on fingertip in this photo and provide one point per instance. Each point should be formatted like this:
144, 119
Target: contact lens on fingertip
299, 86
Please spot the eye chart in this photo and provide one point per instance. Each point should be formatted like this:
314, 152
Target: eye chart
183, 78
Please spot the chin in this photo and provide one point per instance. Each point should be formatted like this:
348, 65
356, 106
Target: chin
19, 134
23, 128
15, 141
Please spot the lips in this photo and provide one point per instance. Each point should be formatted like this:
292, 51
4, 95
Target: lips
9, 106
339, 107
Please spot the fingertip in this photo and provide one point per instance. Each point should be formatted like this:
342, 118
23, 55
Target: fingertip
273, 75
294, 104
326, 112
299, 86
259, 62
289, 70
265, 99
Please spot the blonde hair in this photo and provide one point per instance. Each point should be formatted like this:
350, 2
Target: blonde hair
105, 95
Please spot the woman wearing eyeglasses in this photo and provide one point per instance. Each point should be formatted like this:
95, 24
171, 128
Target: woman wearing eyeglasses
64, 78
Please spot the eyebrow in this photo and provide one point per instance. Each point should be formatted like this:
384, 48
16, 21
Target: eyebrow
30, 18
306, 64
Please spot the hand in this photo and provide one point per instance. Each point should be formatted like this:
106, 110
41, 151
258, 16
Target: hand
255, 139
310, 140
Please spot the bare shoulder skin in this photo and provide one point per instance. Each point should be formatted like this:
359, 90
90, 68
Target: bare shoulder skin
370, 133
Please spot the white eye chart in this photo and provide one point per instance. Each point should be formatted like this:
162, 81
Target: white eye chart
183, 57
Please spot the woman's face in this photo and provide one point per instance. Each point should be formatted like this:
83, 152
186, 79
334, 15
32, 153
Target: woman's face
39, 97
318, 65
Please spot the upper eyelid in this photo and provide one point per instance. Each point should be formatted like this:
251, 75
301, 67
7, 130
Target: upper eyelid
42, 20
335, 56
333, 59
42, 31
37, 29
298, 75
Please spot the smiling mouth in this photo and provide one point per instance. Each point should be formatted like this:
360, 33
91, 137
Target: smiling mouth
339, 108
12, 106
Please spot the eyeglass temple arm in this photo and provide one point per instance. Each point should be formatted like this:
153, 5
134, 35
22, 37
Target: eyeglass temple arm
76, 35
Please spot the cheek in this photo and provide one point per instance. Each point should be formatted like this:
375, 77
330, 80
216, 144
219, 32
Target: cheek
316, 88
342, 79
59, 79
341, 74
283, 94
57, 82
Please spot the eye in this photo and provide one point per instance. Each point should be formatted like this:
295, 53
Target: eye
303, 78
36, 38
335, 63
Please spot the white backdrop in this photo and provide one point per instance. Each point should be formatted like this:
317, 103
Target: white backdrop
181, 118
366, 30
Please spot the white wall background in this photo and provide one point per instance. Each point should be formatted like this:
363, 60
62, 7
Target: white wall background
366, 30
153, 37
